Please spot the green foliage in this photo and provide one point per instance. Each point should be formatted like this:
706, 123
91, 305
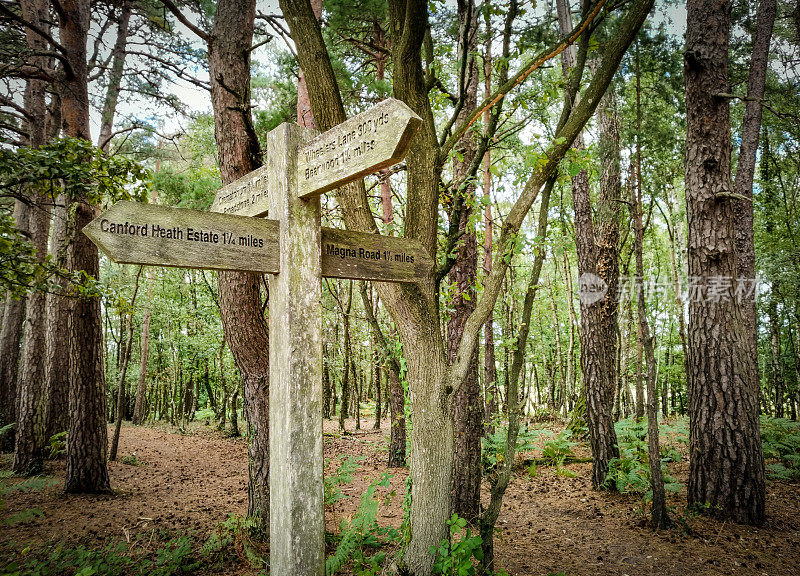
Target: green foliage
559, 448
32, 484
780, 440
493, 446
132, 460
236, 537
361, 536
454, 554
58, 444
74, 167
23, 517
630, 472
174, 557
341, 476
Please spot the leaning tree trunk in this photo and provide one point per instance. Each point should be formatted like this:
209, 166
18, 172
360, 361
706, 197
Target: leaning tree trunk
745, 171
726, 469
240, 299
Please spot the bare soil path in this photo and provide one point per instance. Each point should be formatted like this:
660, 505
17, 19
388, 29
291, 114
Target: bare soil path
550, 522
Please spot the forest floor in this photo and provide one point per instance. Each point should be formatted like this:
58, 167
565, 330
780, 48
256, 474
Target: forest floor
175, 483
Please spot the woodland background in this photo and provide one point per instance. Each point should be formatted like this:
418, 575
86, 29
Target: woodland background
657, 157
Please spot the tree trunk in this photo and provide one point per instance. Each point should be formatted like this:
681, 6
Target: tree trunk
239, 296
776, 371
10, 338
57, 360
126, 356
743, 186
30, 409
658, 519
468, 409
377, 379
87, 438
726, 467
114, 79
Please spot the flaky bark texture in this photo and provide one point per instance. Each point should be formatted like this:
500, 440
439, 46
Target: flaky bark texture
726, 468
10, 336
30, 437
239, 295
87, 436
598, 317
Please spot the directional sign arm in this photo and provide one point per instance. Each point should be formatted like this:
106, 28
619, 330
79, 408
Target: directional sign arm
362, 145
133, 233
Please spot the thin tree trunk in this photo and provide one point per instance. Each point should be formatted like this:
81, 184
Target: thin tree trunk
346, 381
658, 519
776, 364
114, 79
126, 356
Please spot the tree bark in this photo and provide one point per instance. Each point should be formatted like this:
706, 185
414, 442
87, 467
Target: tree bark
658, 519
30, 400
743, 185
467, 405
87, 438
726, 467
776, 372
240, 299
126, 357
114, 80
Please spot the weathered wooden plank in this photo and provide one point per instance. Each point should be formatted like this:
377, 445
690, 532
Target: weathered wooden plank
297, 516
362, 145
246, 196
362, 256
134, 233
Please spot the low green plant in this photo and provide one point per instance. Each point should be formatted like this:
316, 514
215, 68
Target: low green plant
780, 440
173, 557
361, 538
58, 445
493, 446
341, 476
454, 554
559, 448
132, 460
235, 537
23, 517
630, 472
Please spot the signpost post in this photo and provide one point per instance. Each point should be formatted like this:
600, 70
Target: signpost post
298, 252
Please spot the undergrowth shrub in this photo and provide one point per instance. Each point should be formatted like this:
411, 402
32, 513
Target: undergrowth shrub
361, 539
780, 440
630, 472
454, 554
341, 476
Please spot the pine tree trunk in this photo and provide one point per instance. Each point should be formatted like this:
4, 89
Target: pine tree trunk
776, 371
114, 80
57, 360
743, 186
239, 295
726, 468
468, 407
30, 409
87, 437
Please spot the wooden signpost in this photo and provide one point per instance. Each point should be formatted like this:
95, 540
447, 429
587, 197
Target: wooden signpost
300, 166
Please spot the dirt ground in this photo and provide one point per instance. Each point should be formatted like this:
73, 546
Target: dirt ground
550, 523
